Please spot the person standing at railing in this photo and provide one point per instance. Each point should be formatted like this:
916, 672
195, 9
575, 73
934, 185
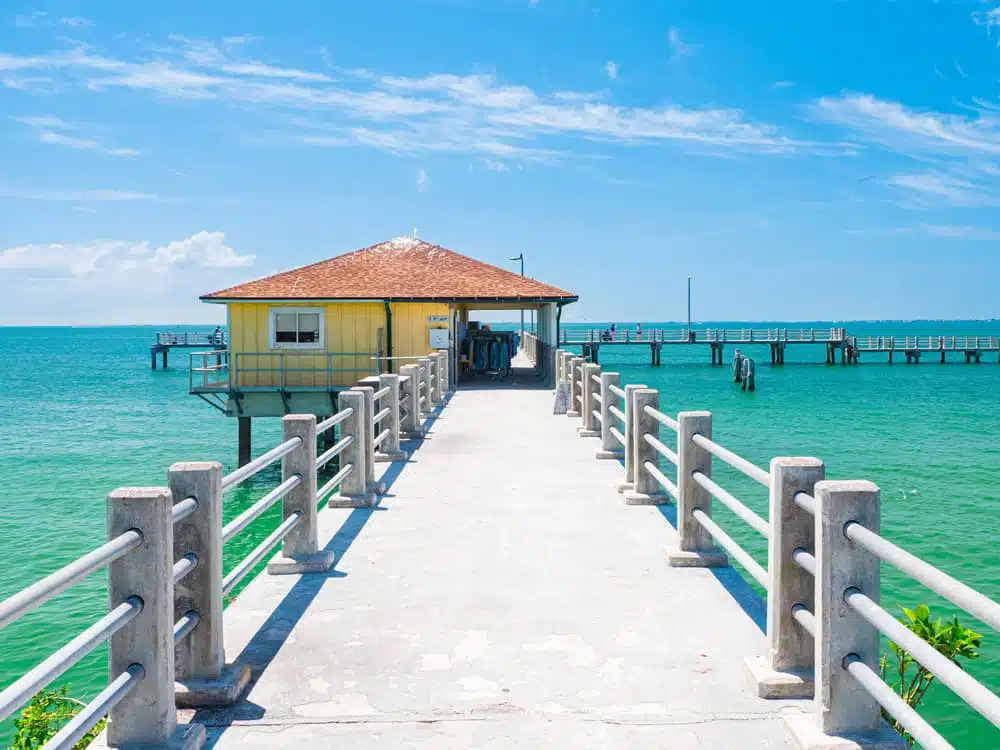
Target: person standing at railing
638, 331
217, 336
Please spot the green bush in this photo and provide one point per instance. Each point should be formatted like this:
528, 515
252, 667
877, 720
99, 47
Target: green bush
951, 639
46, 714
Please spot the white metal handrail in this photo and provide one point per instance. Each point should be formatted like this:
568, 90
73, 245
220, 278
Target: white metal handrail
727, 543
737, 462
335, 482
335, 450
753, 520
331, 422
660, 448
618, 414
381, 415
660, 477
260, 463
248, 563
256, 510
55, 583
619, 392
380, 393
74, 730
662, 418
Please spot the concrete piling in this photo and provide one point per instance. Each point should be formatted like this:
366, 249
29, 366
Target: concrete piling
202, 676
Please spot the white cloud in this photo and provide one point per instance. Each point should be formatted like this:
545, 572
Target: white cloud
76, 22
116, 257
492, 165
421, 180
988, 18
57, 132
678, 47
949, 187
943, 231
474, 114
611, 68
117, 282
782, 84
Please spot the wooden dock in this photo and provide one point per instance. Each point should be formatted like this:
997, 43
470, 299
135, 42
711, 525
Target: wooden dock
777, 339
167, 340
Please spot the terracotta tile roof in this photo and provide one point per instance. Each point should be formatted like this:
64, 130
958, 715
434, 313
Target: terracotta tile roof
399, 269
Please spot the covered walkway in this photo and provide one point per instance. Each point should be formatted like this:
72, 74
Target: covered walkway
502, 595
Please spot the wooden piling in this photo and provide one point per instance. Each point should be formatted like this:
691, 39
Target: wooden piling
244, 440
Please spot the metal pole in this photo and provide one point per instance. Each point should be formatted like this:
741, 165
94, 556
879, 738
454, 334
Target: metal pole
689, 306
521, 258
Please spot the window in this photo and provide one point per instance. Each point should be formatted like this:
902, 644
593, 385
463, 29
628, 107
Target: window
296, 328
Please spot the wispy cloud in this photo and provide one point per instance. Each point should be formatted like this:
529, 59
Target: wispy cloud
782, 84
41, 18
611, 68
949, 187
76, 22
58, 132
421, 180
943, 231
475, 114
906, 130
76, 196
678, 48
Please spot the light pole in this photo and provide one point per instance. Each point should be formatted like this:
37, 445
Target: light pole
689, 308
521, 258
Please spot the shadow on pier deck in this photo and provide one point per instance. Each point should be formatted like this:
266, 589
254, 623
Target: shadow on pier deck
500, 595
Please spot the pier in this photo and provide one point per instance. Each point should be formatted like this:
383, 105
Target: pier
464, 568
167, 340
851, 347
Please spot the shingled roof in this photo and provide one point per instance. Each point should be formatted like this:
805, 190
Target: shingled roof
405, 268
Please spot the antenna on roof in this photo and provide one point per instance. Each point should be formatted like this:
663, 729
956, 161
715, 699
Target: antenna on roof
414, 232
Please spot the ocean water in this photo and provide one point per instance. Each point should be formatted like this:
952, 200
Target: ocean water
82, 413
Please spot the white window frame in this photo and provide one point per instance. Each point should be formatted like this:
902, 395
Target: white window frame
273, 343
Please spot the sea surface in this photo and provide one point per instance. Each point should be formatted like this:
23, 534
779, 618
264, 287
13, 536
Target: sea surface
82, 413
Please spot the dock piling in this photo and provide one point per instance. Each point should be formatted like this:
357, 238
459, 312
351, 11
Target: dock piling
244, 426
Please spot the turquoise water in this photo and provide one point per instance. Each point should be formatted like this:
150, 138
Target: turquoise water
81, 413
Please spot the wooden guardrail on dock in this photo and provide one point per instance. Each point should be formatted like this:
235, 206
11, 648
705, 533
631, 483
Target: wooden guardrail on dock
822, 577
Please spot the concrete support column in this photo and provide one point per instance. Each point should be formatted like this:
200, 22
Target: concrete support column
627, 430
787, 669
426, 405
576, 387
146, 716
696, 547
410, 426
590, 426
647, 489
389, 450
203, 678
368, 407
610, 448
843, 707
300, 552
354, 491
244, 448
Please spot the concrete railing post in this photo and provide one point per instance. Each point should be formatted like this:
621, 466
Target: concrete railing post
787, 669
446, 370
427, 407
368, 409
576, 387
590, 426
202, 675
627, 430
300, 552
843, 706
410, 426
354, 490
647, 490
610, 449
439, 376
389, 450
432, 378
147, 715
696, 548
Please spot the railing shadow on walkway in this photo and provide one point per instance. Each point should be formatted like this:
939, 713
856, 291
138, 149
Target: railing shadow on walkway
274, 632
752, 604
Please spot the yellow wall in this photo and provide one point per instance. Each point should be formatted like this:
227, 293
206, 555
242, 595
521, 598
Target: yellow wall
351, 333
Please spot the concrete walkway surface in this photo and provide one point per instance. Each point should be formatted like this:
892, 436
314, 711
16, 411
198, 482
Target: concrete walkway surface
501, 596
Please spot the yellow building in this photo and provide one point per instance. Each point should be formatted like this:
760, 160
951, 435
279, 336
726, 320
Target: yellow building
299, 337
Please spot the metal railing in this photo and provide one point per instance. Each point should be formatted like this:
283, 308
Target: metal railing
164, 560
705, 335
190, 338
279, 371
823, 546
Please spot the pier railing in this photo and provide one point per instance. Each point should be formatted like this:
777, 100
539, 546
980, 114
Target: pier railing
166, 584
190, 338
706, 335
278, 371
822, 576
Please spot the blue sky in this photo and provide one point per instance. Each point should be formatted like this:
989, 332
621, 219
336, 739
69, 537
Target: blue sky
801, 160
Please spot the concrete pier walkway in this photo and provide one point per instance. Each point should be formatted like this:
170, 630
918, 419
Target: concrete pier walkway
502, 595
